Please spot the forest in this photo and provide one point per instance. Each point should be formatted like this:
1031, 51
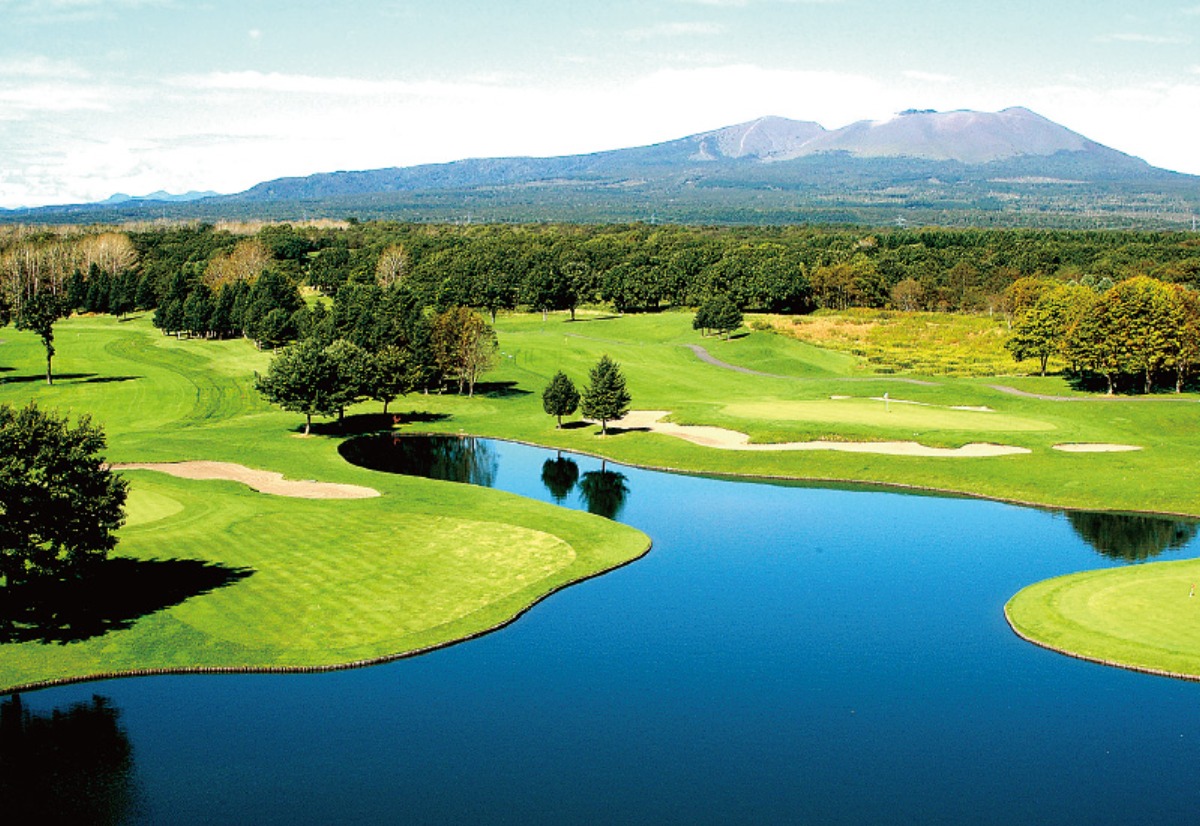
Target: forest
389, 283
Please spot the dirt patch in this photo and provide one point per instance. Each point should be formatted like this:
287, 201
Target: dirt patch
264, 481
725, 439
1095, 447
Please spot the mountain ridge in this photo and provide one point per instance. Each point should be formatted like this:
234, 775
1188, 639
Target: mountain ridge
1006, 165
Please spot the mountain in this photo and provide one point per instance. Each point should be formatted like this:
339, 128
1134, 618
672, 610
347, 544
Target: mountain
161, 196
1010, 167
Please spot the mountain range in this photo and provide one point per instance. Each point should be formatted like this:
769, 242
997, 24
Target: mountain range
1012, 167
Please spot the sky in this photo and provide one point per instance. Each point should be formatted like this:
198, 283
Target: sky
135, 96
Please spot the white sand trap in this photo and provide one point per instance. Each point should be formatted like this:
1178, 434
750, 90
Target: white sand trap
264, 481
1095, 447
724, 439
969, 407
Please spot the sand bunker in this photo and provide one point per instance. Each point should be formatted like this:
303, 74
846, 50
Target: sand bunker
264, 481
725, 439
1095, 447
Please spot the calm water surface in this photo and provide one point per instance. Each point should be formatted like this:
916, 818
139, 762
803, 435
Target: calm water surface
784, 654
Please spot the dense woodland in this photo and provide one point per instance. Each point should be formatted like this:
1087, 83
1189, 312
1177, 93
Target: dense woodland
388, 283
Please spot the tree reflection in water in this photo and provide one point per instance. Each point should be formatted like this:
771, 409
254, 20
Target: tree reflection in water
559, 475
1130, 537
604, 492
449, 458
72, 765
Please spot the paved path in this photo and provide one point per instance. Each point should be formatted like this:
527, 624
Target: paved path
1012, 391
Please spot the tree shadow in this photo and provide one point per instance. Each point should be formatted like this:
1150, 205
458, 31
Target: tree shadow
616, 431
81, 378
112, 597
360, 424
111, 379
577, 425
499, 389
591, 318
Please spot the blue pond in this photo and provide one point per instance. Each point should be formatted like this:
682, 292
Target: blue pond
784, 654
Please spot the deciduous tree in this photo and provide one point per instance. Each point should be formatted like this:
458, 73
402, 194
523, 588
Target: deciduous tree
60, 505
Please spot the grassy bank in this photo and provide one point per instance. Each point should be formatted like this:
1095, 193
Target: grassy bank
1142, 617
215, 575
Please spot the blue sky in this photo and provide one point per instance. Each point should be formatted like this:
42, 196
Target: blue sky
101, 96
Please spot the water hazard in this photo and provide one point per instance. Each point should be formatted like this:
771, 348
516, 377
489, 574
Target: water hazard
785, 653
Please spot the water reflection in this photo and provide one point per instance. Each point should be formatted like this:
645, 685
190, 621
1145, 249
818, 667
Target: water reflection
559, 475
604, 492
72, 765
1131, 537
449, 458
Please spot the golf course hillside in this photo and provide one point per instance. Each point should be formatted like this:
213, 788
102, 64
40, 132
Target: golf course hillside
273, 552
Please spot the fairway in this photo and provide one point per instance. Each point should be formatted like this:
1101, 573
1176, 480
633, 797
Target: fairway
253, 580
1140, 617
894, 413
213, 574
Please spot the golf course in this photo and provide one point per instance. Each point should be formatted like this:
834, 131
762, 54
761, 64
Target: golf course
277, 554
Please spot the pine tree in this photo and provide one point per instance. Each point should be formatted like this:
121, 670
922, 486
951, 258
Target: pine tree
605, 398
560, 398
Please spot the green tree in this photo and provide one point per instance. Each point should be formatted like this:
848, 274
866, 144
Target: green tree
301, 378
60, 505
560, 398
391, 373
605, 398
38, 313
464, 346
352, 368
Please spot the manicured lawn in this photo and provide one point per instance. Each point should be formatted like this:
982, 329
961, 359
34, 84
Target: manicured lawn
266, 581
1139, 616
213, 574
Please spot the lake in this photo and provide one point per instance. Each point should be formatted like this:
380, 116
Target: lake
785, 653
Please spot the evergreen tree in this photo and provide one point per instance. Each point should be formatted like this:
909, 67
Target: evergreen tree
38, 313
605, 398
560, 398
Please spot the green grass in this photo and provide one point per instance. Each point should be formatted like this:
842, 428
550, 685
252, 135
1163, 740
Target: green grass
664, 375
1138, 617
380, 569
299, 582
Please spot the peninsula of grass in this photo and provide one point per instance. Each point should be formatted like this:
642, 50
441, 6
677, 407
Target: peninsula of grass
1142, 617
213, 575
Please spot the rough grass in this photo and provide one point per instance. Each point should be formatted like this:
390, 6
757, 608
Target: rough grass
1139, 616
888, 341
217, 575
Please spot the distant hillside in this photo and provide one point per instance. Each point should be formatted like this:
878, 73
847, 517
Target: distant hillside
1012, 167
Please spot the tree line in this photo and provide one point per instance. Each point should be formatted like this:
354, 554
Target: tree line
1136, 334
218, 282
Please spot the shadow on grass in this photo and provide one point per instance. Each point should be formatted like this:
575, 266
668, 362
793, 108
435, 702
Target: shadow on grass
363, 423
576, 425
80, 378
113, 597
499, 389
591, 318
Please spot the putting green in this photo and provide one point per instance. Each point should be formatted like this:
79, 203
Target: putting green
1141, 617
893, 414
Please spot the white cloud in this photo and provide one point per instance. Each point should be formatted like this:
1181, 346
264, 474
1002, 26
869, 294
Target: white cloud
229, 130
927, 77
662, 30
38, 66
1147, 39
